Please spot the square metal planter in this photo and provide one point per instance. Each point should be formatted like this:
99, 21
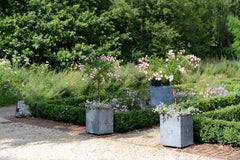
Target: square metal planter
99, 121
161, 94
176, 131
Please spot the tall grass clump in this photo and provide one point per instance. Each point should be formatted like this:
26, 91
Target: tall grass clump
8, 94
213, 70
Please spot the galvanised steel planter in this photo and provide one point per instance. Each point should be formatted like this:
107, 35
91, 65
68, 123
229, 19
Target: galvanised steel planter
176, 131
161, 94
99, 120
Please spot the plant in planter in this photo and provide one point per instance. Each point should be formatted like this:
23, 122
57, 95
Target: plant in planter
176, 125
99, 115
164, 73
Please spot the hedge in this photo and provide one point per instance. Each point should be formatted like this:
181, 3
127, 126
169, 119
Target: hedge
126, 121
123, 121
64, 113
231, 113
214, 126
73, 101
216, 131
214, 103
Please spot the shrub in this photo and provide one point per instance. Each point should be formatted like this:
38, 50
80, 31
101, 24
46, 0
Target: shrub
216, 131
64, 113
123, 121
215, 103
126, 121
230, 113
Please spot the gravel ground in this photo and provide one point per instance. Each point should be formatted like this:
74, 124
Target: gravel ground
20, 141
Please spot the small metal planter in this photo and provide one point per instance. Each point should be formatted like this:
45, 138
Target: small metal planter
162, 94
176, 131
21, 109
99, 121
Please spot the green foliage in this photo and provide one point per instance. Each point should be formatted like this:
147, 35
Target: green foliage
230, 113
64, 113
234, 25
59, 32
142, 28
72, 101
63, 31
213, 131
126, 121
214, 103
123, 121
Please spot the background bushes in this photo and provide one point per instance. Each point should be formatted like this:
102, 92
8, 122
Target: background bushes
61, 32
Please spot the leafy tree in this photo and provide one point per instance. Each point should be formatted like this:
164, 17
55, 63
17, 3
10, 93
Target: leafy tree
234, 25
59, 32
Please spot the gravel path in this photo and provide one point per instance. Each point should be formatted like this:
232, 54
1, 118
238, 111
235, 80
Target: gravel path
20, 141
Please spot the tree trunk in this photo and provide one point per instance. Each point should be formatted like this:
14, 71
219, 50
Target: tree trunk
99, 100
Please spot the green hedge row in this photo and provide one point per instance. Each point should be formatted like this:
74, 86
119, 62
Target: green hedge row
216, 131
220, 126
231, 113
214, 103
123, 121
126, 121
214, 126
74, 101
64, 113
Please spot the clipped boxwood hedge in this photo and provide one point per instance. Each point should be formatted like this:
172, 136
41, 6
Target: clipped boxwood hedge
220, 126
64, 113
216, 131
126, 121
214, 103
230, 113
214, 126
123, 121
74, 101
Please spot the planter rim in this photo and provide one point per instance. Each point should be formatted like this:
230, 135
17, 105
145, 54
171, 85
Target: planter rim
167, 115
98, 108
162, 85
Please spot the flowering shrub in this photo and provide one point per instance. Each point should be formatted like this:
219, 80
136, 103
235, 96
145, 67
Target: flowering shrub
5, 64
131, 100
165, 72
64, 113
207, 91
100, 69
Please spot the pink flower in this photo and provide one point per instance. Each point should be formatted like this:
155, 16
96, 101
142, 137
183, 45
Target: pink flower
171, 78
182, 70
114, 100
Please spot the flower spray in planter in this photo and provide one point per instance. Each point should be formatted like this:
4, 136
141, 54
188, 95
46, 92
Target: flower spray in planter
164, 73
176, 125
99, 114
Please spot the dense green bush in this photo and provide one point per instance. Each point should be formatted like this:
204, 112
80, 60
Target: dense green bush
214, 103
216, 131
230, 113
59, 32
73, 101
62, 31
123, 121
126, 121
64, 113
